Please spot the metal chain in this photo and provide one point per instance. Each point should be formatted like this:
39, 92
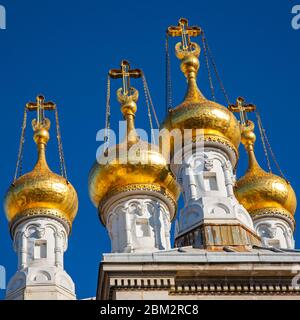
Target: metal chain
265, 138
107, 117
63, 168
148, 99
19, 165
208, 68
216, 71
169, 101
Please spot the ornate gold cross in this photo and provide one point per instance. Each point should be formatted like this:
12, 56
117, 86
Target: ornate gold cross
185, 31
243, 108
40, 106
126, 73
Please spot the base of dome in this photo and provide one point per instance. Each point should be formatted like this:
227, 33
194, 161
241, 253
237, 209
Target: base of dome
40, 212
214, 237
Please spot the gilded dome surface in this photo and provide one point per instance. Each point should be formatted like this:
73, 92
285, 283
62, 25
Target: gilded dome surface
126, 169
196, 112
41, 192
217, 122
132, 165
261, 192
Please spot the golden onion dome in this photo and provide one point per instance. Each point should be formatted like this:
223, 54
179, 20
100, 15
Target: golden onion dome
218, 124
133, 165
41, 192
260, 192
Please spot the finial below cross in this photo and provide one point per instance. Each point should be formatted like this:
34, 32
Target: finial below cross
243, 109
126, 73
185, 31
40, 106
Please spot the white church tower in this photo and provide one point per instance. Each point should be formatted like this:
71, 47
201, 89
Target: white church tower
131, 185
219, 252
40, 207
212, 217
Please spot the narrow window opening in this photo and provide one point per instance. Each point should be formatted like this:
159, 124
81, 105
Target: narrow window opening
210, 181
40, 249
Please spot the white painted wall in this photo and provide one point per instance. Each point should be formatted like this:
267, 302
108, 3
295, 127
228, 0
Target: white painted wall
139, 223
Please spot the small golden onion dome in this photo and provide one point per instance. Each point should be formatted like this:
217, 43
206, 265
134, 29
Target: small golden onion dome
260, 192
196, 112
133, 165
41, 192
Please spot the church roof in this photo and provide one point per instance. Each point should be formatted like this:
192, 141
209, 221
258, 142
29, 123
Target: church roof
195, 255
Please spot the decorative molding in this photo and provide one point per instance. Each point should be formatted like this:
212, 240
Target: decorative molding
234, 289
40, 212
208, 164
218, 139
274, 213
138, 187
213, 287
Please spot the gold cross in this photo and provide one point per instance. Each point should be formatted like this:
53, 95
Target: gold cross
126, 73
242, 108
185, 31
40, 106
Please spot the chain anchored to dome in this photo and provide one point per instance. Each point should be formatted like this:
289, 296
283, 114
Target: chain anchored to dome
41, 127
134, 165
128, 96
188, 52
217, 123
41, 192
262, 193
243, 108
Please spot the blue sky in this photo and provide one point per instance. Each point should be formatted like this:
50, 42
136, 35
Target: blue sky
64, 49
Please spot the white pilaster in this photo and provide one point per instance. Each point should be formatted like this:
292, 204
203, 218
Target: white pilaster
40, 244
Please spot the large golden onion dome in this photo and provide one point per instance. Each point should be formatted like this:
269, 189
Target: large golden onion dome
260, 192
41, 192
196, 112
133, 165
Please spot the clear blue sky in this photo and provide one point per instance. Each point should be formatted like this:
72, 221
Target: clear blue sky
64, 49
